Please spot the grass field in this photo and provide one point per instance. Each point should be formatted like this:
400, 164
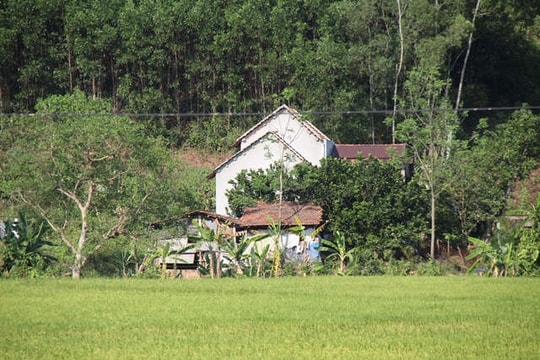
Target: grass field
286, 318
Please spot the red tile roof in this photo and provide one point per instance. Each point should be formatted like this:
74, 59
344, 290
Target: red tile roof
378, 151
259, 214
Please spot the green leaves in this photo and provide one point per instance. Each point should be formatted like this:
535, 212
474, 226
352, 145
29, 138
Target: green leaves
337, 250
92, 178
24, 250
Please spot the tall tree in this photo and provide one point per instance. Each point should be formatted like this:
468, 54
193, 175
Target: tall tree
427, 130
91, 178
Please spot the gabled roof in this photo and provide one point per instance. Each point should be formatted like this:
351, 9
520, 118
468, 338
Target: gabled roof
378, 151
261, 139
259, 215
283, 108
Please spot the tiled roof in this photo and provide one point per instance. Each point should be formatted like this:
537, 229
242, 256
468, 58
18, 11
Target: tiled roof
260, 214
378, 151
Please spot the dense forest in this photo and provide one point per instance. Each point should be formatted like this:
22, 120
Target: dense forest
98, 99
346, 62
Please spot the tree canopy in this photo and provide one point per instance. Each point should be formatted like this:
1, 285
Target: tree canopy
195, 56
93, 178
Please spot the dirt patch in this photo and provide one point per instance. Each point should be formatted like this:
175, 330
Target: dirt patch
196, 158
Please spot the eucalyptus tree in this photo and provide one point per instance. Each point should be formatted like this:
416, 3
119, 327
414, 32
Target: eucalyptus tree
31, 51
91, 177
93, 43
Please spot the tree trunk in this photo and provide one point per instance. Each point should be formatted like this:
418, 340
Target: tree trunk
432, 243
212, 267
218, 263
466, 59
75, 271
398, 70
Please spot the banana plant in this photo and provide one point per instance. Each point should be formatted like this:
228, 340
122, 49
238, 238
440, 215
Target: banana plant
500, 257
24, 247
275, 232
167, 252
337, 250
260, 258
212, 238
237, 252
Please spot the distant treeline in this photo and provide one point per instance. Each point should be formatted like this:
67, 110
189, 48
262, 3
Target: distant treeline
206, 56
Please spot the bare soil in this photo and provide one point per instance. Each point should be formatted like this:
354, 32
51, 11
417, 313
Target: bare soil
201, 159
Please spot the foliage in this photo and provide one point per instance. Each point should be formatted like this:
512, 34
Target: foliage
511, 252
166, 252
24, 250
498, 255
214, 239
215, 134
238, 254
188, 57
481, 173
428, 129
367, 200
91, 180
337, 251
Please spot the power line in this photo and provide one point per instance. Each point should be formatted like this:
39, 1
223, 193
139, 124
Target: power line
244, 114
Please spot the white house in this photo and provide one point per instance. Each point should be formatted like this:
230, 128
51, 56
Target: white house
281, 136
285, 136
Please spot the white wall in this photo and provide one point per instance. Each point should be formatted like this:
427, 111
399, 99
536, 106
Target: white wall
260, 156
292, 131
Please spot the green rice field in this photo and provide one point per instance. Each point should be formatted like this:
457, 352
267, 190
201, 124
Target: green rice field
284, 318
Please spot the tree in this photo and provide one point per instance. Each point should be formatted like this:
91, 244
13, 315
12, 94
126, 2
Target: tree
428, 130
368, 200
91, 177
214, 239
165, 252
259, 257
482, 172
236, 252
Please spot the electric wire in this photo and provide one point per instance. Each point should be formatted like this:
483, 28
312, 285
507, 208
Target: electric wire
247, 114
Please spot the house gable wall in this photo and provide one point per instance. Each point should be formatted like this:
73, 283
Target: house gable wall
286, 124
259, 155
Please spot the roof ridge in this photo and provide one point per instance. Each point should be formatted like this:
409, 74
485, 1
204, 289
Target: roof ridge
293, 112
303, 122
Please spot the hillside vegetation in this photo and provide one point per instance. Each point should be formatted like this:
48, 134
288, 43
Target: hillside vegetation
113, 113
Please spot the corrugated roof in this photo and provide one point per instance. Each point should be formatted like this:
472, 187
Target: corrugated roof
378, 151
260, 214
309, 126
212, 215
